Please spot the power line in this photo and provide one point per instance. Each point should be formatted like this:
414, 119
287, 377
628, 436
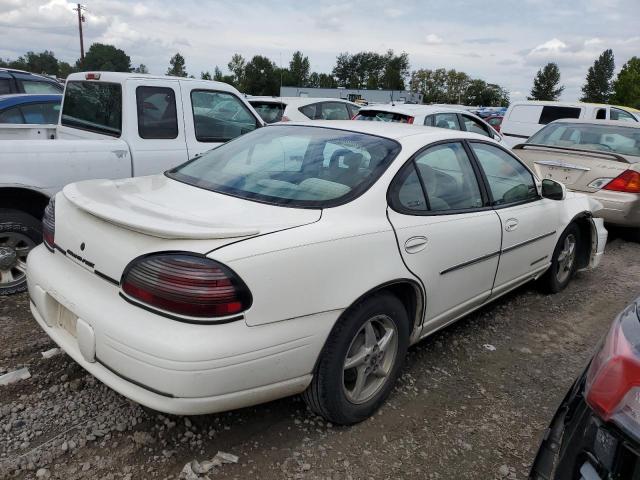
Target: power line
81, 20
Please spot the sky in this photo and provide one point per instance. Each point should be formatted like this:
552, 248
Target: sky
502, 42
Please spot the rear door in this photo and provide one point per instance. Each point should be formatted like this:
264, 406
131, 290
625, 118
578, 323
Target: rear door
156, 130
528, 222
213, 117
447, 234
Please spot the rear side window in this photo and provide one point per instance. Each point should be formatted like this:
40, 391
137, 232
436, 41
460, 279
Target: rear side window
311, 111
41, 112
551, 113
31, 86
381, 116
270, 112
5, 86
220, 116
443, 120
334, 111
619, 114
474, 126
93, 106
157, 116
509, 181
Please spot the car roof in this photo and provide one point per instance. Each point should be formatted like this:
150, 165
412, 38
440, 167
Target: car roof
22, 98
412, 109
618, 123
391, 130
124, 76
297, 101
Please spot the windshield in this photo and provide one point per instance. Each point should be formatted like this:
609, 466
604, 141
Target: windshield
585, 136
381, 116
292, 165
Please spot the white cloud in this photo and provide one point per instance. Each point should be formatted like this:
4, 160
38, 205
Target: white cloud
432, 39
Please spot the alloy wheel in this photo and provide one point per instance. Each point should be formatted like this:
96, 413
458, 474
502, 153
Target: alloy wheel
14, 248
566, 258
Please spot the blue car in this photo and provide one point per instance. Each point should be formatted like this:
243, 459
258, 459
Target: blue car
30, 108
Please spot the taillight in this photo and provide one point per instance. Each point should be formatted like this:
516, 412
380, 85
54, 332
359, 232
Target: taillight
186, 284
613, 381
49, 224
628, 181
410, 120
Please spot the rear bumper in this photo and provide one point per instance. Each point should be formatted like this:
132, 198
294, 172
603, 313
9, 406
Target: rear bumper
164, 364
618, 208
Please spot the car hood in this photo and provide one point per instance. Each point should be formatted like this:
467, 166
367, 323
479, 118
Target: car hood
161, 207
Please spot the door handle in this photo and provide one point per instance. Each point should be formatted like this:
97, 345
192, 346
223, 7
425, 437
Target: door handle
415, 244
511, 224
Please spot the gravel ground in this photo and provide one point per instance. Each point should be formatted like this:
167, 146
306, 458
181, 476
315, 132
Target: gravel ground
462, 409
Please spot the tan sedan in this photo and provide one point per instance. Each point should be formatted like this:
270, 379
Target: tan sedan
597, 157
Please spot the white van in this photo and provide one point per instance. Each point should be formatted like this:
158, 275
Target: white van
523, 119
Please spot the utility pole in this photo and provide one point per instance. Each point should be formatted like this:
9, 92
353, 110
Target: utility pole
79, 9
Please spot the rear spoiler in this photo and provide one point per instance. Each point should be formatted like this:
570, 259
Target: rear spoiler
567, 150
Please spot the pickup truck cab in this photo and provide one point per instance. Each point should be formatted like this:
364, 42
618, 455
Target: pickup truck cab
111, 125
523, 119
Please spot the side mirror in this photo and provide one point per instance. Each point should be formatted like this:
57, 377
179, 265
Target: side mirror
553, 190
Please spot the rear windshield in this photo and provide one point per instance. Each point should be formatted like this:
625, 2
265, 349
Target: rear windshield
550, 113
93, 106
270, 112
584, 136
292, 165
380, 116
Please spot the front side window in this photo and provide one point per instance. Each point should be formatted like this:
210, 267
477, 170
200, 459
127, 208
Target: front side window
475, 126
11, 115
5, 85
292, 165
157, 115
334, 111
93, 106
445, 120
509, 181
220, 116
41, 112
31, 86
619, 114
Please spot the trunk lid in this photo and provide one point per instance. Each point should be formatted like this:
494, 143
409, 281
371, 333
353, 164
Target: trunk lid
104, 224
576, 169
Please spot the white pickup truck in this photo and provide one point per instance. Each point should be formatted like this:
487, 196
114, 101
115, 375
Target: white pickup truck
112, 125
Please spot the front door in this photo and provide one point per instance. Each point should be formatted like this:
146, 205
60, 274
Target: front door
528, 221
447, 235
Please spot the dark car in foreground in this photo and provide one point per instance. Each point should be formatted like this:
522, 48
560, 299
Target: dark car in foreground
30, 109
595, 434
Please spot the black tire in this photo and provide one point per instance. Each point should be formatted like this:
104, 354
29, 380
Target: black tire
13, 224
552, 281
326, 396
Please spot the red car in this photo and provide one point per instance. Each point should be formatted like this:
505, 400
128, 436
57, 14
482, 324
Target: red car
495, 121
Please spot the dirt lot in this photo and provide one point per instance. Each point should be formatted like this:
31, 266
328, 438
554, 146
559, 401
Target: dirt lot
461, 409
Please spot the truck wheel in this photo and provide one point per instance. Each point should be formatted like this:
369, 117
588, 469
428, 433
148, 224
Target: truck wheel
361, 361
564, 262
19, 233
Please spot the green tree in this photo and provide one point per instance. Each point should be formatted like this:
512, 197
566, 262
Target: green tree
626, 87
64, 69
205, 76
142, 68
237, 66
396, 70
177, 66
546, 84
431, 83
261, 77
598, 86
298, 73
43, 62
101, 56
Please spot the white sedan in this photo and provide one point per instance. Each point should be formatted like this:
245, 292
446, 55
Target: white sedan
430, 116
296, 258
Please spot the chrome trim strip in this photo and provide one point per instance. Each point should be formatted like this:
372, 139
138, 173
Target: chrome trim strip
555, 163
470, 262
527, 242
539, 260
